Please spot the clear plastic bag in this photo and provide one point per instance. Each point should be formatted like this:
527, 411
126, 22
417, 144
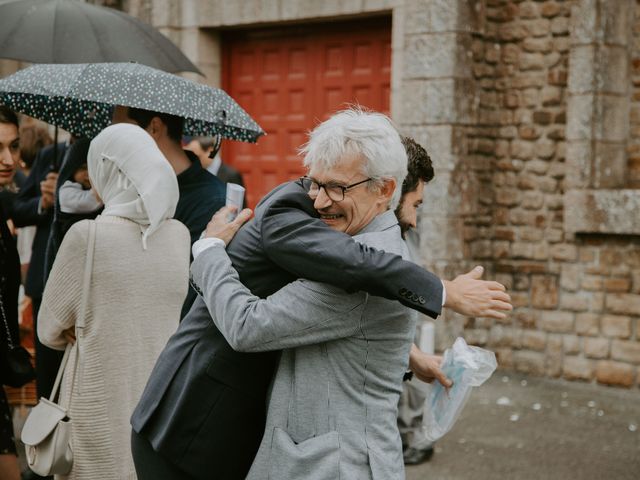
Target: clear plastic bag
468, 367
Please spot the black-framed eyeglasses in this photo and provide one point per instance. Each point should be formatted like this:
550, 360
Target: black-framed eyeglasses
334, 192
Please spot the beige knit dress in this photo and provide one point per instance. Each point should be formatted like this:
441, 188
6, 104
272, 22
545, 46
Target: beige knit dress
134, 307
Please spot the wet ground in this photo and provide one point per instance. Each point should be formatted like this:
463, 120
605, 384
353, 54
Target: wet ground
519, 428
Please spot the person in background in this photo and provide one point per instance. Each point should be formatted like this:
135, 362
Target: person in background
77, 195
33, 138
34, 206
9, 285
420, 171
204, 148
138, 283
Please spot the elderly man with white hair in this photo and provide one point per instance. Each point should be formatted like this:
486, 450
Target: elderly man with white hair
333, 405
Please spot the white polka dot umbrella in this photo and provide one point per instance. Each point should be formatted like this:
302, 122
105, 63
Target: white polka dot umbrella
80, 97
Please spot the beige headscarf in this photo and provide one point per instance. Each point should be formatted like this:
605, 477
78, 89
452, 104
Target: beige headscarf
133, 177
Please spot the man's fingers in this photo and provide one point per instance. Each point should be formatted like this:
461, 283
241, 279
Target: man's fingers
502, 296
496, 286
242, 217
494, 314
498, 305
476, 272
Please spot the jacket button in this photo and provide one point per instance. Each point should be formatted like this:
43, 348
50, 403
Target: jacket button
414, 298
403, 291
422, 300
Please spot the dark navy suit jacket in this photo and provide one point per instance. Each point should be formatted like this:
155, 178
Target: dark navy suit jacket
204, 405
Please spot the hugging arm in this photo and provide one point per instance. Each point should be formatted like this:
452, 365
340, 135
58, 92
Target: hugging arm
295, 239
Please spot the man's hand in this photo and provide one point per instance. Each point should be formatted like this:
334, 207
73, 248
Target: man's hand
48, 190
220, 227
427, 367
469, 295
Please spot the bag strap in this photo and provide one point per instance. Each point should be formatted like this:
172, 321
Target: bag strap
80, 320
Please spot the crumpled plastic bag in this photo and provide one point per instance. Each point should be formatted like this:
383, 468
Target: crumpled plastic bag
468, 367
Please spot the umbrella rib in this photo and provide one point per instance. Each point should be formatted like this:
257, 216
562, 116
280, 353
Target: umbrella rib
95, 34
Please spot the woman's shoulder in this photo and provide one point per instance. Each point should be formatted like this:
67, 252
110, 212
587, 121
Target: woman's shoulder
175, 228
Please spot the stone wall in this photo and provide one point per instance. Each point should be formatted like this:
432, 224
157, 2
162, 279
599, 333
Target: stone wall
575, 295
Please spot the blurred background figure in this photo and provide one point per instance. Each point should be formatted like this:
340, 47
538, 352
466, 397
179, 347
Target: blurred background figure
138, 284
207, 150
9, 283
420, 171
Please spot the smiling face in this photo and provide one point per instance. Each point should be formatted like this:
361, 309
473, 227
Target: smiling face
9, 152
361, 204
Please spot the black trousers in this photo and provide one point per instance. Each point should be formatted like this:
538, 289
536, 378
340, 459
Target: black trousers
150, 465
47, 359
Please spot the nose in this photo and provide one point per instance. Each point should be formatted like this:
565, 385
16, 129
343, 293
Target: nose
322, 200
5, 157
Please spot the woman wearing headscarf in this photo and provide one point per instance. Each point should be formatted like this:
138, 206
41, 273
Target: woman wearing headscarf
138, 283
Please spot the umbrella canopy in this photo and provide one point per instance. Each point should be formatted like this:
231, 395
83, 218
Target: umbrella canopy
80, 97
70, 31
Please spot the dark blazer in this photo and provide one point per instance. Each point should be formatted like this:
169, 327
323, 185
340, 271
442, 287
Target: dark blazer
229, 174
9, 284
25, 212
204, 405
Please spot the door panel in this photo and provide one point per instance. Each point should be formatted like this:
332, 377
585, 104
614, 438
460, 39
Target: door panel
290, 79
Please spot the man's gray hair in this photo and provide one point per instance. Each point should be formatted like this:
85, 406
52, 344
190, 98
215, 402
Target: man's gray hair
356, 131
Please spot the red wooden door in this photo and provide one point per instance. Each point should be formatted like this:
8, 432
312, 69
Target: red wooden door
290, 79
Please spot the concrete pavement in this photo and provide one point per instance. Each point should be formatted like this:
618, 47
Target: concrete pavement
525, 428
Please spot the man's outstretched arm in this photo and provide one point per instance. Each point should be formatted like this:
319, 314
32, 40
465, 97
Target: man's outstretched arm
302, 244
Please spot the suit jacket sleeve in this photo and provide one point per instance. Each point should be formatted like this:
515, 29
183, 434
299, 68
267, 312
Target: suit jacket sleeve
295, 239
301, 313
25, 206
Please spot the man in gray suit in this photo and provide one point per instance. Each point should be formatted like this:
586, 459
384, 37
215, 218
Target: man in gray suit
333, 402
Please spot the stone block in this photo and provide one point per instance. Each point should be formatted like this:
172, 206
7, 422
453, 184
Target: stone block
501, 336
625, 351
534, 340
620, 285
512, 31
530, 234
507, 197
532, 200
564, 252
623, 303
529, 132
557, 321
615, 373
436, 55
591, 282
526, 318
554, 235
587, 324
577, 368
437, 101
551, 96
578, 163
531, 61
596, 347
580, 112
581, 301
529, 362
537, 45
522, 150
561, 44
476, 337
554, 357
616, 19
539, 167
602, 211
570, 277
550, 9
542, 117
521, 250
616, 326
440, 16
571, 344
584, 22
539, 27
544, 291
560, 26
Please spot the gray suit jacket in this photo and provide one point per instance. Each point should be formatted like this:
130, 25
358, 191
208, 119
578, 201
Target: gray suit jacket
333, 405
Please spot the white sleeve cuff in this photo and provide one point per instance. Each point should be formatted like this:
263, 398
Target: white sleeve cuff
204, 243
444, 293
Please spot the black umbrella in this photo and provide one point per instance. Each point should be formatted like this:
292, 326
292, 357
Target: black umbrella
80, 97
70, 31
